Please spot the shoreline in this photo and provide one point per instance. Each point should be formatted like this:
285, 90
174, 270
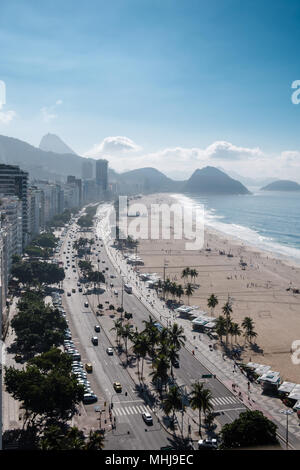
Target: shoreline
259, 291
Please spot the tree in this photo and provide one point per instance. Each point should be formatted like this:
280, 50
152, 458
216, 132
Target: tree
221, 327
152, 335
212, 302
140, 348
56, 437
189, 291
177, 337
193, 273
235, 330
85, 267
173, 401
126, 334
185, 273
200, 398
160, 372
37, 326
173, 356
118, 326
37, 273
227, 310
46, 388
248, 326
252, 428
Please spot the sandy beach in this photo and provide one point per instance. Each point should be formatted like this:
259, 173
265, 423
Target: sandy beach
259, 291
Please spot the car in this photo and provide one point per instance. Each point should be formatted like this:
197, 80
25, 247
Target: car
97, 328
110, 351
89, 398
175, 363
80, 289
206, 444
112, 276
117, 387
73, 291
147, 418
95, 340
18, 357
116, 292
103, 261
86, 304
69, 294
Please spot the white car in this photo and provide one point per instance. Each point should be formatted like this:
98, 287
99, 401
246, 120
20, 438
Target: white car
147, 418
110, 351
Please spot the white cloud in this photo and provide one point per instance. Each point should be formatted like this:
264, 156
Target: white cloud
48, 112
113, 145
180, 162
7, 116
227, 151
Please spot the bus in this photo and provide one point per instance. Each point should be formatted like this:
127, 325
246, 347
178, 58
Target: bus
128, 288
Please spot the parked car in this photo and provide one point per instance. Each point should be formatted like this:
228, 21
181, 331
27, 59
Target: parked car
89, 398
97, 328
110, 351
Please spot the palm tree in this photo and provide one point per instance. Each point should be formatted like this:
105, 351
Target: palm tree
152, 335
189, 291
212, 302
160, 372
118, 326
221, 327
95, 441
173, 356
177, 337
185, 273
227, 310
248, 326
179, 291
126, 334
235, 330
194, 273
140, 348
200, 398
173, 401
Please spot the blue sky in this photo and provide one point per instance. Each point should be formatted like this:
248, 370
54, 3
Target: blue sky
165, 74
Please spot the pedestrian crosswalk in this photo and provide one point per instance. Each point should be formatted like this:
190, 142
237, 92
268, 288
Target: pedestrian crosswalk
131, 410
221, 401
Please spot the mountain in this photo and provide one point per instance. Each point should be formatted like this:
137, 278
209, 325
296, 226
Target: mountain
39, 163
247, 180
210, 180
53, 143
149, 180
282, 185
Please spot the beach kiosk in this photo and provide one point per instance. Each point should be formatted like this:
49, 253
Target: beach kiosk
270, 381
286, 388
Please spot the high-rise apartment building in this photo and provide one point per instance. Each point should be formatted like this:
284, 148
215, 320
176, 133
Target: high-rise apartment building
14, 182
102, 174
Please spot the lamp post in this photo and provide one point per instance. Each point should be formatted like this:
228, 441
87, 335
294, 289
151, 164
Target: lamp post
287, 413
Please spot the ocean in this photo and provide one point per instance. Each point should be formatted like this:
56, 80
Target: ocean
267, 220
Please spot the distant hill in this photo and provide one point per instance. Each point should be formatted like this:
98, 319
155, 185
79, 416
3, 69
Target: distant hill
282, 185
39, 163
210, 180
53, 143
149, 180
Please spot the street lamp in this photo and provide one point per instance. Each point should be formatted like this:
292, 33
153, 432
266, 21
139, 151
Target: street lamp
287, 413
